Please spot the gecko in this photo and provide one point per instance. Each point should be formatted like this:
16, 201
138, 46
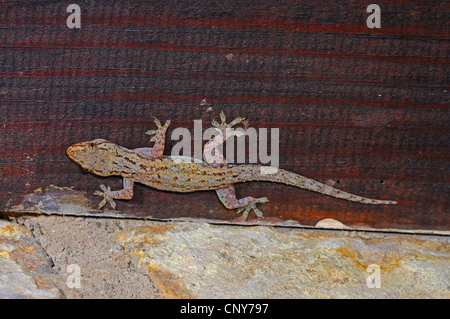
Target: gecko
150, 167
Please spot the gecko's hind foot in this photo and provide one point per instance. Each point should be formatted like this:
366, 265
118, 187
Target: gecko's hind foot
246, 210
224, 125
161, 130
107, 196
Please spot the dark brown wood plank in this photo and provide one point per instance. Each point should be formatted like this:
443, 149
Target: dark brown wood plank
363, 109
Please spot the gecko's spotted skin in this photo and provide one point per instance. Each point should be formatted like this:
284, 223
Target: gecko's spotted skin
148, 166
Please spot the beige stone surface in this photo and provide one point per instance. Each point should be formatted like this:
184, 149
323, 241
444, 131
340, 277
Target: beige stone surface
148, 259
200, 260
105, 269
25, 269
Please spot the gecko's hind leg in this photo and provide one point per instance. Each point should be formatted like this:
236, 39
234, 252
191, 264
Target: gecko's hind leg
211, 152
159, 137
109, 195
227, 196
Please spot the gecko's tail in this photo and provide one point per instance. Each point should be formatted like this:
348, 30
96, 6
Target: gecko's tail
248, 173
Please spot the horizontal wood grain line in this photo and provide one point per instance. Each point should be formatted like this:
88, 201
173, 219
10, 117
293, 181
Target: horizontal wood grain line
265, 24
240, 23
217, 74
263, 98
225, 50
240, 100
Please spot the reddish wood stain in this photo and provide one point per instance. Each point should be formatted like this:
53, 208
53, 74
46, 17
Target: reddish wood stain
353, 104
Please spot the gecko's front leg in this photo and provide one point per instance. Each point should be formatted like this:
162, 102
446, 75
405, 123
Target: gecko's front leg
159, 137
109, 195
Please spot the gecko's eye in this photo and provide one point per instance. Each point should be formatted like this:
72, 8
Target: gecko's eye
93, 145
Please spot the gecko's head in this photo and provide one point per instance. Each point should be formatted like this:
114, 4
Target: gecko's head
94, 156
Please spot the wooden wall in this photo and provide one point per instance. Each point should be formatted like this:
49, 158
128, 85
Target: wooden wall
363, 109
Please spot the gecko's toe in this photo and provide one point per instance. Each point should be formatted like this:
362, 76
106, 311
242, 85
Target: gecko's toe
166, 125
107, 198
157, 122
245, 211
223, 117
102, 203
257, 212
237, 121
111, 202
261, 200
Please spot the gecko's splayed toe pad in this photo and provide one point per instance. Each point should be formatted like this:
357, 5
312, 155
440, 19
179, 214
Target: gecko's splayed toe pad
246, 210
107, 197
225, 125
161, 129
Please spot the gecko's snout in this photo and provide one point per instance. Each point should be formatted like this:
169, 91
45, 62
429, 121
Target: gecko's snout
70, 151
73, 150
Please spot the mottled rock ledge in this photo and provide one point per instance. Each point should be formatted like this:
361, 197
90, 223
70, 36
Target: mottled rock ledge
190, 260
122, 258
25, 269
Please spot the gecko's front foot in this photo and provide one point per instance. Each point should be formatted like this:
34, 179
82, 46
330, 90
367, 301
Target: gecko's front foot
246, 210
160, 131
224, 125
107, 196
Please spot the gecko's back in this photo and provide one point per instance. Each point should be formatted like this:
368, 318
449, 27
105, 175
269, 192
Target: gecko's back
173, 174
